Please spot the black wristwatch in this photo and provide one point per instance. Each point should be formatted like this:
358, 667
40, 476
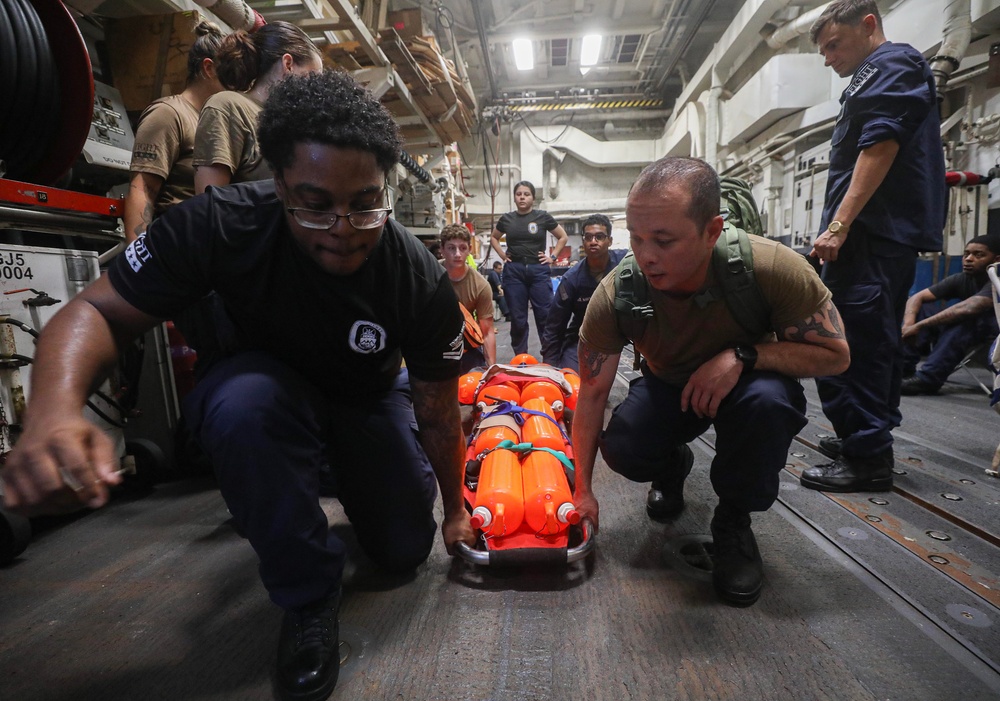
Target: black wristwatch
746, 355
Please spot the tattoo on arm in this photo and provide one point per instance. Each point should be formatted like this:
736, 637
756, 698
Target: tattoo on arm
592, 363
146, 217
825, 324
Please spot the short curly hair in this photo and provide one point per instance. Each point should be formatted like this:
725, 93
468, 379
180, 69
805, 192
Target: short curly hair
325, 108
455, 231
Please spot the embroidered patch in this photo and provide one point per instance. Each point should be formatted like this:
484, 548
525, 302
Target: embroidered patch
456, 347
864, 74
533, 228
366, 337
136, 254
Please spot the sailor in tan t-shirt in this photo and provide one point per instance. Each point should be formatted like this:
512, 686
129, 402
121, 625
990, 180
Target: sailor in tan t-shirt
162, 168
473, 291
702, 369
249, 65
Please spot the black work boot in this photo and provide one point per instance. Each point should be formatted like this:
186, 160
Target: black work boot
666, 496
309, 651
831, 446
737, 570
850, 474
913, 386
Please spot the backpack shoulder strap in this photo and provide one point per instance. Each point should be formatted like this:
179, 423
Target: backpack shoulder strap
632, 302
732, 261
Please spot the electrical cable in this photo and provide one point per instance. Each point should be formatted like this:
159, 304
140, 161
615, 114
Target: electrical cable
34, 334
26, 360
550, 141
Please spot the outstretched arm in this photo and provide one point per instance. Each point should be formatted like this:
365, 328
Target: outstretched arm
63, 461
435, 405
597, 375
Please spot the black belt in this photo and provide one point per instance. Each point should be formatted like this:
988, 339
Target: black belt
525, 261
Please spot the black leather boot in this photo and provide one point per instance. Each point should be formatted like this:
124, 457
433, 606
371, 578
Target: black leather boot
309, 651
850, 474
831, 446
666, 496
737, 569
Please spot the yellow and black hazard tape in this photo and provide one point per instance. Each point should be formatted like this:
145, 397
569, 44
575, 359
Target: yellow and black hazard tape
603, 105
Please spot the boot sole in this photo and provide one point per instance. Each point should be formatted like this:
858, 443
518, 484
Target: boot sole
664, 516
320, 694
739, 598
880, 484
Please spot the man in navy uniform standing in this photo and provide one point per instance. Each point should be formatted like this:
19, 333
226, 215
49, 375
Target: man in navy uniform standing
885, 203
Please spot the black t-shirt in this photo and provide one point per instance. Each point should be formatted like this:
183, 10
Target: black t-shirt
961, 286
345, 333
526, 233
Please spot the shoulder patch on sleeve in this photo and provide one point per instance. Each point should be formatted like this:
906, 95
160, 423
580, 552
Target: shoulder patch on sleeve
864, 74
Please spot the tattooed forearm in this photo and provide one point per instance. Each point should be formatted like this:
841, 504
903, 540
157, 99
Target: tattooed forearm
825, 324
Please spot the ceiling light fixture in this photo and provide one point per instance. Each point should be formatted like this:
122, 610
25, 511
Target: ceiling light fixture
590, 50
524, 54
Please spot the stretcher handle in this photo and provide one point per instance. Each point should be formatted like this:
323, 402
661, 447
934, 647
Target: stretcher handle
529, 556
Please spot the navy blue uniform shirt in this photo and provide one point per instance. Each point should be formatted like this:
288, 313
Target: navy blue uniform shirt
346, 333
569, 304
892, 96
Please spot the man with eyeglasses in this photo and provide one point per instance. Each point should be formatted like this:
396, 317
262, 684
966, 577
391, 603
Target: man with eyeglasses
328, 297
562, 328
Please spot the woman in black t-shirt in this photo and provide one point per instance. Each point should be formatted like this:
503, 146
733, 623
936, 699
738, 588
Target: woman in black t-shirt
526, 274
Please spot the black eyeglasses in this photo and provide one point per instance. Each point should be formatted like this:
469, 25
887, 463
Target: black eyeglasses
595, 237
323, 219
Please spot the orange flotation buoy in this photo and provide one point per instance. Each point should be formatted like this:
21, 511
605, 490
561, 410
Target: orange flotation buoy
548, 502
524, 359
499, 506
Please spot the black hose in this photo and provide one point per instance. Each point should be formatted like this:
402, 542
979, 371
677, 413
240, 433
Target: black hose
21, 325
411, 165
47, 105
19, 139
35, 100
8, 68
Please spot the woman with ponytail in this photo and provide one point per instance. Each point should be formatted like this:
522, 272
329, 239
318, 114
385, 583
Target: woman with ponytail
248, 65
162, 157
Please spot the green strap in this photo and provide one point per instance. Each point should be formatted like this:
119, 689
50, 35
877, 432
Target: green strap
529, 448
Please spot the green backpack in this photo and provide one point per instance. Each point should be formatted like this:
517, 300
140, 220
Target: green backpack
732, 261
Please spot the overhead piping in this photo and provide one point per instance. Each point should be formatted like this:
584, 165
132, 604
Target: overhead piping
957, 33
795, 28
485, 48
704, 8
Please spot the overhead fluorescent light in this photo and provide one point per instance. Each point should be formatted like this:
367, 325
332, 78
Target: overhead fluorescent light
590, 50
524, 54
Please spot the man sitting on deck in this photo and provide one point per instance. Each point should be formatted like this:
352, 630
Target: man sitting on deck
702, 367
955, 331
328, 296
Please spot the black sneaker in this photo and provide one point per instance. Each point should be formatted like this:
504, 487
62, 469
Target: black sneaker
737, 569
309, 651
913, 386
665, 499
850, 474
